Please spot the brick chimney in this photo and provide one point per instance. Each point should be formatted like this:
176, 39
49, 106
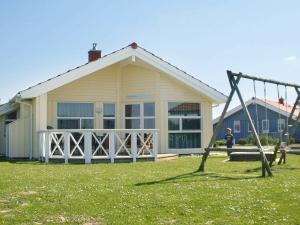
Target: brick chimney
94, 54
281, 101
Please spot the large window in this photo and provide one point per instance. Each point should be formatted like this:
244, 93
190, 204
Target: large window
109, 116
236, 126
184, 125
139, 116
265, 126
281, 125
75, 115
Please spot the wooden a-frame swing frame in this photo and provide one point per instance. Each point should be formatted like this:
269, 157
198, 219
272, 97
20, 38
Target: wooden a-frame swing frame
234, 79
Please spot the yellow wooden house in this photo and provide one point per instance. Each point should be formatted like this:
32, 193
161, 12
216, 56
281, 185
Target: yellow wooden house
127, 104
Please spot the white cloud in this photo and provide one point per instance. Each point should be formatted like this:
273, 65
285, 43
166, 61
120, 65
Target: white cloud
291, 58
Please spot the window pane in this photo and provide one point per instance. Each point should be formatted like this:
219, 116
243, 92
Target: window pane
265, 125
132, 110
191, 124
149, 123
109, 110
281, 124
184, 140
68, 124
132, 124
149, 109
184, 109
173, 123
109, 124
75, 110
87, 124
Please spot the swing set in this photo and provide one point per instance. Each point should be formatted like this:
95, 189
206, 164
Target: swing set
234, 79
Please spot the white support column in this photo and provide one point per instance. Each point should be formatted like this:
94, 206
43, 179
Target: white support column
66, 146
155, 145
112, 146
88, 146
47, 146
134, 145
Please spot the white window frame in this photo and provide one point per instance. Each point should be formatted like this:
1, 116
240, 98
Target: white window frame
236, 122
279, 122
265, 130
180, 125
141, 117
108, 117
249, 129
75, 118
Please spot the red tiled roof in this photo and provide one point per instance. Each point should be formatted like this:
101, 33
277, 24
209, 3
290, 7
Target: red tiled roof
286, 107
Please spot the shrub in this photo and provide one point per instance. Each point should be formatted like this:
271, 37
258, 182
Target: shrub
264, 139
292, 140
242, 141
251, 140
219, 143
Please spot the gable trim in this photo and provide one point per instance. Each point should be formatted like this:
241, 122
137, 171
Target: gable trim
116, 57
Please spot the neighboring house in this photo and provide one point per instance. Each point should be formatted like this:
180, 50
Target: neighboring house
128, 89
272, 124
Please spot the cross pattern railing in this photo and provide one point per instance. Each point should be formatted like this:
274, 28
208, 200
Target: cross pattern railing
98, 144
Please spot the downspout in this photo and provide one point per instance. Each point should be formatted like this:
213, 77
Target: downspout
31, 126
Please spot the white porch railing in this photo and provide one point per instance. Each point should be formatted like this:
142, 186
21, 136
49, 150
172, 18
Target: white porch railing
89, 144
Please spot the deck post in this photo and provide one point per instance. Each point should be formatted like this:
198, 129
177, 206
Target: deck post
134, 145
88, 147
155, 145
112, 146
66, 146
47, 146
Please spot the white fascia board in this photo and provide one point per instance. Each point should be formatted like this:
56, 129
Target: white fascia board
76, 74
216, 96
116, 57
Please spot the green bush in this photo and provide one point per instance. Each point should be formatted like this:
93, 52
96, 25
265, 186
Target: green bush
264, 140
251, 140
242, 141
219, 143
292, 140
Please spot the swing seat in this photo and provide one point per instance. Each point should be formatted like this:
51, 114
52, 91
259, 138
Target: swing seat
249, 156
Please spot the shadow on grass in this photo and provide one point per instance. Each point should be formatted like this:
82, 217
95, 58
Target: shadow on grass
253, 170
196, 174
287, 168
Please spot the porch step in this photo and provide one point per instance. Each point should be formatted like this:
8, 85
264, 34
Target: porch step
119, 159
162, 157
249, 156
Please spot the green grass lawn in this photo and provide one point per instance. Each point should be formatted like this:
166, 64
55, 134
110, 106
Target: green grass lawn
166, 192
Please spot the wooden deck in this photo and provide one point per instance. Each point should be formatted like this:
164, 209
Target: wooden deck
119, 159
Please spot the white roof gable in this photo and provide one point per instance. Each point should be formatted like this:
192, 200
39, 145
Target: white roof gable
116, 57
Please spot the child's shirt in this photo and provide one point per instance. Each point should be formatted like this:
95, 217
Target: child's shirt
229, 140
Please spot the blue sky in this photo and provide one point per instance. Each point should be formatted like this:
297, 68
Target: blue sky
40, 39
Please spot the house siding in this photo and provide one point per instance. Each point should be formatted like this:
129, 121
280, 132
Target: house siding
132, 84
2, 135
272, 116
